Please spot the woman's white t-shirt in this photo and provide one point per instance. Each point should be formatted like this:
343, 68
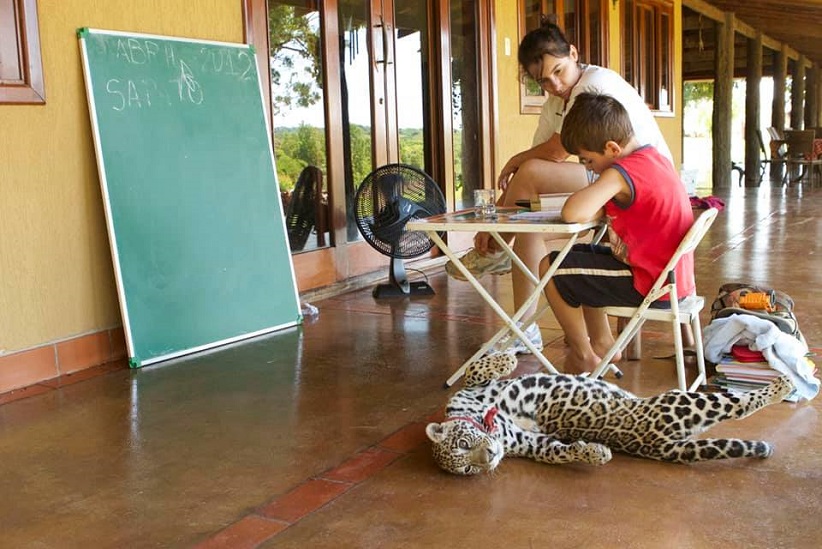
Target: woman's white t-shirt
605, 81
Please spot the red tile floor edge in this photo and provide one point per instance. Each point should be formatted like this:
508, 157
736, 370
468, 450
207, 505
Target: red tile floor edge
62, 381
287, 509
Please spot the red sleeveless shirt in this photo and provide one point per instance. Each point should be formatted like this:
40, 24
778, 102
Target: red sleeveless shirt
646, 232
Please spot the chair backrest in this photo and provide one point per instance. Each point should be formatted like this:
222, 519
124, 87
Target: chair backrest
688, 243
800, 142
761, 144
774, 134
301, 212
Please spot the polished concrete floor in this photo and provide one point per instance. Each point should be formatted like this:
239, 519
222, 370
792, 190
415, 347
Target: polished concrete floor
314, 437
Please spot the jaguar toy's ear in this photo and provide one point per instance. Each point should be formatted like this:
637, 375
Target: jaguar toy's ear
435, 432
489, 368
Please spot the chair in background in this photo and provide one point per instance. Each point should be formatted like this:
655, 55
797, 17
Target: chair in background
765, 159
777, 143
684, 312
740, 171
307, 209
800, 156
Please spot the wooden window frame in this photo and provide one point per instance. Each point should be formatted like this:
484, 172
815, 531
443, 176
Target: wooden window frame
532, 96
25, 58
648, 51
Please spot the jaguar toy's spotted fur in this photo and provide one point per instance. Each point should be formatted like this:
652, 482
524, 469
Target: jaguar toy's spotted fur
567, 419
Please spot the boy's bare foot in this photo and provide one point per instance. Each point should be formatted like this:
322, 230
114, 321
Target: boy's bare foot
576, 364
601, 348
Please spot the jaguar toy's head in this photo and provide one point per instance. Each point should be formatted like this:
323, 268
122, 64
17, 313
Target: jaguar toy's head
463, 447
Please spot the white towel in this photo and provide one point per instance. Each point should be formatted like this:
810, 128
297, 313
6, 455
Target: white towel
784, 353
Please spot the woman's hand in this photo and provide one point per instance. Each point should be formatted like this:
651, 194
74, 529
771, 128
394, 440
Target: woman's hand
483, 243
507, 172
550, 150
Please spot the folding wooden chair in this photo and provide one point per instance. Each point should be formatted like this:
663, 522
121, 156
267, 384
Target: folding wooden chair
764, 160
685, 311
800, 156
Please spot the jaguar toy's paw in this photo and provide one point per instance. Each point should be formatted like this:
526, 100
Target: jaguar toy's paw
593, 453
779, 389
489, 368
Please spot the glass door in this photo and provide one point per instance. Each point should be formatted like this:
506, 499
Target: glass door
298, 94
384, 58
467, 130
356, 84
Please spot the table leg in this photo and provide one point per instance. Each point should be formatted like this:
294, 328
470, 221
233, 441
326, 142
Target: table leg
510, 322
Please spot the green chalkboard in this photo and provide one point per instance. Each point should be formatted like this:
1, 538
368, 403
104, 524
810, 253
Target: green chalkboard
189, 187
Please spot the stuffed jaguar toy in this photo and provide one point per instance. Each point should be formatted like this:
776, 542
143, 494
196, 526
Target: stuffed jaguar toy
574, 419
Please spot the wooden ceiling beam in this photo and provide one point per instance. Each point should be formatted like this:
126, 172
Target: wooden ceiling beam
716, 14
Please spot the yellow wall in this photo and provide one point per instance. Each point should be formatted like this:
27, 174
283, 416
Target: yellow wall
56, 278
672, 127
516, 130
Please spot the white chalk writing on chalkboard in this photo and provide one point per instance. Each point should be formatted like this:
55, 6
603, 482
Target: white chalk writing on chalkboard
187, 85
223, 61
127, 94
137, 52
145, 52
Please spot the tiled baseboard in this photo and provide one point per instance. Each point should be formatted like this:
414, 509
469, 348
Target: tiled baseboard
56, 360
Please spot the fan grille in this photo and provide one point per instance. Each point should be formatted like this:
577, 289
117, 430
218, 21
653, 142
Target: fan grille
387, 200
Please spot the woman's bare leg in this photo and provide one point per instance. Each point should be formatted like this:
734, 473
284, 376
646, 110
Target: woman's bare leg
538, 177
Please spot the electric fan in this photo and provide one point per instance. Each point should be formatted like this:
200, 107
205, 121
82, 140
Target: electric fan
390, 197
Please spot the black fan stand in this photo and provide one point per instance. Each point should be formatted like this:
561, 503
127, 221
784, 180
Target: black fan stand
398, 284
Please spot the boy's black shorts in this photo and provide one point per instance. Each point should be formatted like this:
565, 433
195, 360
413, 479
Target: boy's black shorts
590, 275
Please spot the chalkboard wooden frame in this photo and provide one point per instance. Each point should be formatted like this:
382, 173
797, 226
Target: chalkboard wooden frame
192, 206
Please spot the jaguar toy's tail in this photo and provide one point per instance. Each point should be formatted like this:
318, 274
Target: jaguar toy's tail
714, 408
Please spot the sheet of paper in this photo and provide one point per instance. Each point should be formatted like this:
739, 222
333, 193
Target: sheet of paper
542, 215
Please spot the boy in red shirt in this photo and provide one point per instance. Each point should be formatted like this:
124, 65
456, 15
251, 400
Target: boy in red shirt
648, 212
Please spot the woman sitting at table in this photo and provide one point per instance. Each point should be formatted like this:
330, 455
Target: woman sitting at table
551, 61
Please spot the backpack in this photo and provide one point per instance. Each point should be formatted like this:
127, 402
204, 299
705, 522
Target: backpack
749, 299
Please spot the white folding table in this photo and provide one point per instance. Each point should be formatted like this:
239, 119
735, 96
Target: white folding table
465, 221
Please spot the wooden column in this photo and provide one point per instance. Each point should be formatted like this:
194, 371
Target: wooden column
753, 79
818, 95
812, 98
798, 94
723, 84
780, 72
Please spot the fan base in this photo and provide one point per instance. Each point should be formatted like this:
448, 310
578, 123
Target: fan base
393, 290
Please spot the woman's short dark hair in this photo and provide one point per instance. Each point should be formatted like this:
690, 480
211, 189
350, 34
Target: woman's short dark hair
547, 39
594, 119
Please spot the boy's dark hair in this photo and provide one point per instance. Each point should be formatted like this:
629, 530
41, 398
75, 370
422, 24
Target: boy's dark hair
595, 119
547, 39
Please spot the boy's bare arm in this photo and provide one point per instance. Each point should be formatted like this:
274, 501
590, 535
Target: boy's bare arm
588, 203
